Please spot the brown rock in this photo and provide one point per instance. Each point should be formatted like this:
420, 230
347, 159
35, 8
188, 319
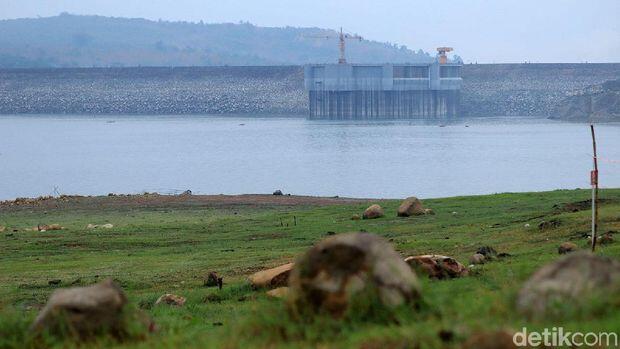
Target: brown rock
272, 278
45, 227
339, 267
374, 211
211, 280
280, 292
567, 247
429, 211
606, 238
410, 207
356, 217
86, 310
2, 228
171, 299
436, 266
477, 259
569, 280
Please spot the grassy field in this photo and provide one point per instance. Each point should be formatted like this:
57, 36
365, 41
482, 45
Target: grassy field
169, 248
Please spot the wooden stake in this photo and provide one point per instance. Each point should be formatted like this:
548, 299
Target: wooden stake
594, 182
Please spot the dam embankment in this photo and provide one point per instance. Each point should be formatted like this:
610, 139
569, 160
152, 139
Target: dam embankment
487, 89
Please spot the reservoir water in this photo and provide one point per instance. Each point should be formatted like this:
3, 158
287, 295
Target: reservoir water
50, 155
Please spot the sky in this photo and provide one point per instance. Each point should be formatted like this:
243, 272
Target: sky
483, 31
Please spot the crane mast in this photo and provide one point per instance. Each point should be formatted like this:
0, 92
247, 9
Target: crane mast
342, 37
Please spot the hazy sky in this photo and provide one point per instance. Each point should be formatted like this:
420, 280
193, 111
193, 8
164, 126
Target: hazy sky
479, 30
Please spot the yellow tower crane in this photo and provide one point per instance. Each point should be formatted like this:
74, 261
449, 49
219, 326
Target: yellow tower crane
342, 37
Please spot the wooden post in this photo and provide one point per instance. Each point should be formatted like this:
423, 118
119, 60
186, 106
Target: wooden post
594, 182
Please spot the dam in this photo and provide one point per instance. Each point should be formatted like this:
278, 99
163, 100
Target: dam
383, 91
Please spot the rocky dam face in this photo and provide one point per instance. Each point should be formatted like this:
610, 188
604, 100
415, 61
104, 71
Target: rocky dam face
487, 89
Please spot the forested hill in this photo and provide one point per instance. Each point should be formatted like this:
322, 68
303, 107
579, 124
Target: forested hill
86, 41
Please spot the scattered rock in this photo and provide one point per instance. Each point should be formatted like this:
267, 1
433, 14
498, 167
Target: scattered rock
186, 193
86, 310
411, 206
339, 267
491, 340
54, 282
477, 258
45, 227
567, 247
171, 299
569, 280
436, 266
96, 226
429, 211
606, 238
272, 278
526, 225
280, 292
2, 228
446, 335
278, 192
488, 252
356, 217
374, 211
550, 224
213, 280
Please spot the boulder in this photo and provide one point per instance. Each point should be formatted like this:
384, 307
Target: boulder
567, 247
606, 238
278, 192
569, 280
45, 227
436, 266
280, 292
2, 228
213, 280
272, 278
96, 226
429, 211
374, 211
86, 310
171, 299
331, 273
488, 252
477, 258
410, 207
551, 224
356, 217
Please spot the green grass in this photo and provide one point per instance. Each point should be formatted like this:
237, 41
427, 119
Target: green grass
151, 251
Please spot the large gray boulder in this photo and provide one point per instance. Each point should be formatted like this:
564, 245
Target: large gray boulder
85, 310
331, 273
568, 282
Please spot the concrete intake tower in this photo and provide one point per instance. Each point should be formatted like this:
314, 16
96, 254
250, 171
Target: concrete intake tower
383, 91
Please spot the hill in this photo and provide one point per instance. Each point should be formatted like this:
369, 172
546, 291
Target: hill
94, 41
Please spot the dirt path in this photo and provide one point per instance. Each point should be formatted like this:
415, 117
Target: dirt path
156, 200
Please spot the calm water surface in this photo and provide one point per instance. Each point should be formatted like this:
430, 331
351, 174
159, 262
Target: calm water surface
42, 155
